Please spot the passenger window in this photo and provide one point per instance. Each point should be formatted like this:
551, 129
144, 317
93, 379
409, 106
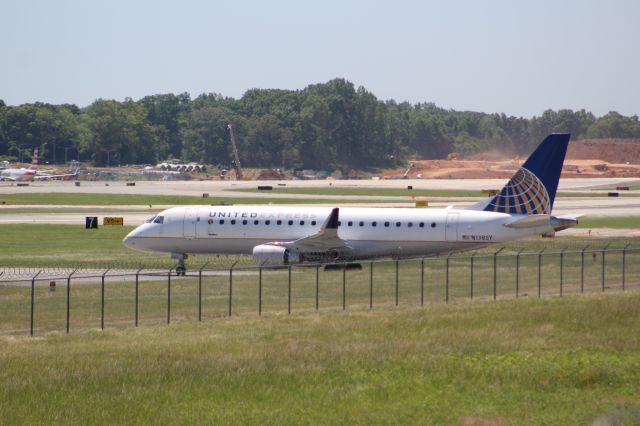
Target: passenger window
386, 224
290, 222
279, 222
267, 222
397, 224
210, 221
373, 224
350, 223
255, 222
244, 222
301, 222
433, 224
221, 221
410, 224
421, 224
361, 223
233, 221
313, 222
339, 223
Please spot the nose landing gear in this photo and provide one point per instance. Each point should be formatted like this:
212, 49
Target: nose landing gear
181, 269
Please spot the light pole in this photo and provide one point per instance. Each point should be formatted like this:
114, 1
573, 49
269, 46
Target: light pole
108, 151
65, 152
43, 152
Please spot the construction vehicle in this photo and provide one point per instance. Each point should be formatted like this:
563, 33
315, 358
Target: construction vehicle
236, 162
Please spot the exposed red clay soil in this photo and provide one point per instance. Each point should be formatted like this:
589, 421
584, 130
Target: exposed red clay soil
585, 158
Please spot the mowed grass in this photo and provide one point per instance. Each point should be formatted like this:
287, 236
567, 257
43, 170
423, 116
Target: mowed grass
64, 246
69, 246
610, 222
554, 361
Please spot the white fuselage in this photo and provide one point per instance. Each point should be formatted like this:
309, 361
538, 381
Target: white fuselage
18, 174
370, 232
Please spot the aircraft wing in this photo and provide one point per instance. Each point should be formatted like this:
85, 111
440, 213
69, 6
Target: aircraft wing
325, 239
45, 177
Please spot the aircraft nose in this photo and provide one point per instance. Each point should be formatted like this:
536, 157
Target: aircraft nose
131, 239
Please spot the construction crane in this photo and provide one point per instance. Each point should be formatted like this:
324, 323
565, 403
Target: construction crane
236, 162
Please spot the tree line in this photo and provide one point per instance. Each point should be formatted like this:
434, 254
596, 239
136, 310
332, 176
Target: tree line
325, 126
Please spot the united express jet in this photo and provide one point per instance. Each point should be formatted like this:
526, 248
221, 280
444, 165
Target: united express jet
279, 236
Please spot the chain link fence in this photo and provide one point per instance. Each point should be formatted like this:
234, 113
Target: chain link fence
36, 301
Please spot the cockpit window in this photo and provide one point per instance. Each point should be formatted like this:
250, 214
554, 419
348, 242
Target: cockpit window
158, 219
151, 219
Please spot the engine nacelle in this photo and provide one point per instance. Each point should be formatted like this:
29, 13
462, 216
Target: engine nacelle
270, 255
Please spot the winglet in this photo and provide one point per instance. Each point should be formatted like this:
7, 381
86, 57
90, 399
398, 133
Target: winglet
332, 221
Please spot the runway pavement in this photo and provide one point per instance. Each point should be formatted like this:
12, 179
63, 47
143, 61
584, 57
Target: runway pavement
135, 215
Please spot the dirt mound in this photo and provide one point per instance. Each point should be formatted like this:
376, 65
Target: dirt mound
585, 158
621, 151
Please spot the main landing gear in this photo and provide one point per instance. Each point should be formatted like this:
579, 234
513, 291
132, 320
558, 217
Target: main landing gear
181, 269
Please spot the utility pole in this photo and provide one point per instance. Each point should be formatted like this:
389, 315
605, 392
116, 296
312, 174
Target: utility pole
236, 163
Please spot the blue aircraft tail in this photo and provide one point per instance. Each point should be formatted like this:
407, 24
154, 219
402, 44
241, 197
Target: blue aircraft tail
532, 189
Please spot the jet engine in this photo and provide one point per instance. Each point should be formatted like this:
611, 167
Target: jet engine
271, 255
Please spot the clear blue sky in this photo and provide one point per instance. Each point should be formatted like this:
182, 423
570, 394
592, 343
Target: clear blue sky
517, 57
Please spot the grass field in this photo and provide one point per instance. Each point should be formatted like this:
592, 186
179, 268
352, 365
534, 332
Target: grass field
554, 361
610, 222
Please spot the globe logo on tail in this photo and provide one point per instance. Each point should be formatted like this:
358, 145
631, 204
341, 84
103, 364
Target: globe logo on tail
523, 194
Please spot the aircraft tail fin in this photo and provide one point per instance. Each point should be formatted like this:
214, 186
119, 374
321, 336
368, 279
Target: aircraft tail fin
532, 190
34, 163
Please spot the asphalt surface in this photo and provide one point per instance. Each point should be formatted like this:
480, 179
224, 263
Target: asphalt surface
135, 215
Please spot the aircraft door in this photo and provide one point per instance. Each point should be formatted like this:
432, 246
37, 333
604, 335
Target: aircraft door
190, 222
451, 227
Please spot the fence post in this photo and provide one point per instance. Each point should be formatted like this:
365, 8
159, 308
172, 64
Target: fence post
562, 270
495, 273
624, 252
371, 285
200, 290
604, 250
169, 295
102, 299
471, 275
33, 298
69, 297
231, 285
518, 273
289, 292
397, 283
317, 286
136, 297
422, 282
260, 288
540, 272
446, 283
344, 286
582, 270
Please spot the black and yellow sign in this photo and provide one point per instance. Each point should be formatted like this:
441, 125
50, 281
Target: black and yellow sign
113, 221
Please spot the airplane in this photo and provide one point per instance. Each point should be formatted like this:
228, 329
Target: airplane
30, 174
280, 235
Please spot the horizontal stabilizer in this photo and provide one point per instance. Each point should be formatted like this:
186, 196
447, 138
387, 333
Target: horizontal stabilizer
533, 221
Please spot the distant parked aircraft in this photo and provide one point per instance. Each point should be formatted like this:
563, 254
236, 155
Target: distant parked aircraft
291, 235
30, 174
